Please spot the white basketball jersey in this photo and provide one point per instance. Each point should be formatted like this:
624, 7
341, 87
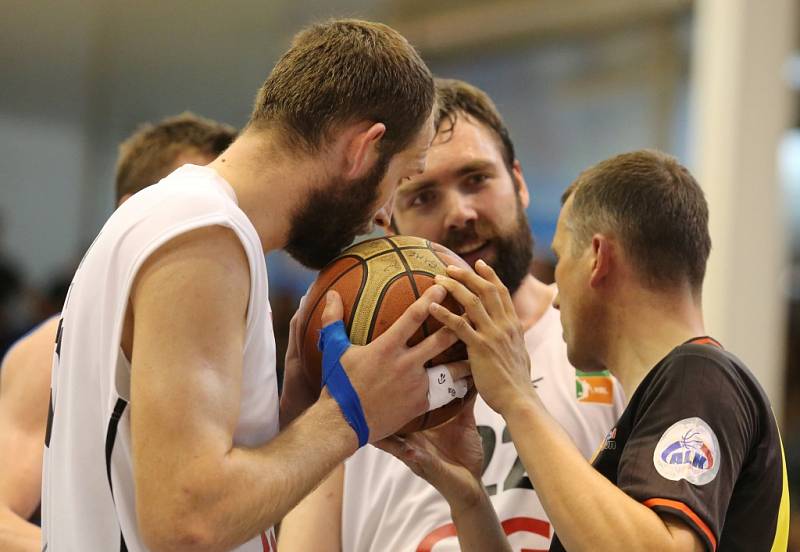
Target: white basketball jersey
88, 501
387, 507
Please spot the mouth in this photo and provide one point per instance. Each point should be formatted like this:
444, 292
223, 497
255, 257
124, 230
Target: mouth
473, 251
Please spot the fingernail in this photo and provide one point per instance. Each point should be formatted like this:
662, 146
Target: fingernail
328, 297
434, 306
439, 278
481, 262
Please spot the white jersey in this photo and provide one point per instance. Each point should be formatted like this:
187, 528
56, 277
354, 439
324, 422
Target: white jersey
387, 507
88, 500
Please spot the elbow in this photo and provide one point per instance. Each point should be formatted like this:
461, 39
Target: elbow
180, 536
178, 528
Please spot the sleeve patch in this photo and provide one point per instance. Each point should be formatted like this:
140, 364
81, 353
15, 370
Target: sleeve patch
688, 450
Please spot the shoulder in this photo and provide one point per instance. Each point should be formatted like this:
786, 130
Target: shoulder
33, 351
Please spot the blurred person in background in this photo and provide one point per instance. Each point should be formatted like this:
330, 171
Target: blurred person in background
152, 152
472, 199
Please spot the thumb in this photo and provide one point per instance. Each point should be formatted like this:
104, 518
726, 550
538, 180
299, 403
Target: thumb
333, 311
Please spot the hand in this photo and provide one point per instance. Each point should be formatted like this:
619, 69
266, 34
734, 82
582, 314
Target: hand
297, 394
388, 375
449, 457
492, 333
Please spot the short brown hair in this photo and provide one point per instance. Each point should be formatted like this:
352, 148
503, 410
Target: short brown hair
456, 97
655, 206
346, 71
148, 154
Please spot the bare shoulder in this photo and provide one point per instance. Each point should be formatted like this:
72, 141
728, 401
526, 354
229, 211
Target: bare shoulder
25, 374
209, 253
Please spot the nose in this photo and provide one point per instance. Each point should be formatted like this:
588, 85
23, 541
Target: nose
460, 211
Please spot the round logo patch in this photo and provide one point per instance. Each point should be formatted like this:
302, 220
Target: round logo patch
688, 450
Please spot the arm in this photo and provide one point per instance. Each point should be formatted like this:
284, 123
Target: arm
316, 523
587, 511
24, 396
189, 308
450, 458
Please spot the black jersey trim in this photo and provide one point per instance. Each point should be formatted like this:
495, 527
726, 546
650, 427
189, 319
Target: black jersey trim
111, 437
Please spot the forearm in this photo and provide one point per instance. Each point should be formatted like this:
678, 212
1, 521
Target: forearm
322, 510
477, 526
229, 501
17, 535
588, 512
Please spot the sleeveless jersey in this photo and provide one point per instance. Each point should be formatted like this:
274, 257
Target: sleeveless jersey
387, 507
88, 500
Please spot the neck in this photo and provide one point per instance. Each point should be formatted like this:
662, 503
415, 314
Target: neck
531, 301
269, 182
645, 327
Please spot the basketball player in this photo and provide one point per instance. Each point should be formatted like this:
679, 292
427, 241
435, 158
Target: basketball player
695, 462
163, 431
150, 154
471, 198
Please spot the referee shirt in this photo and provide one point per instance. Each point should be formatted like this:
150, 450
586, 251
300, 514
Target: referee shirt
698, 440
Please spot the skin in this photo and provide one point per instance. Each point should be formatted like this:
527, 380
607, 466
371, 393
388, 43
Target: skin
185, 398
465, 181
24, 396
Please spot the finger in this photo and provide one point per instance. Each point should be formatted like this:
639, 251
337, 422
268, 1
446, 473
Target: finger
458, 324
408, 323
488, 293
473, 305
333, 311
491, 276
433, 345
460, 369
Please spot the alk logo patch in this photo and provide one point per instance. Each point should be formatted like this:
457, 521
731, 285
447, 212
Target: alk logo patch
688, 450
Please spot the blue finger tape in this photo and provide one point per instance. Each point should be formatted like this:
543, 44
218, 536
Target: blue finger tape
333, 342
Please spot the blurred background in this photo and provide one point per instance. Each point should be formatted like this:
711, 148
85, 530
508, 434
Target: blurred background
714, 82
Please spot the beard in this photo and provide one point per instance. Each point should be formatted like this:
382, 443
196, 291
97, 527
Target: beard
331, 218
513, 251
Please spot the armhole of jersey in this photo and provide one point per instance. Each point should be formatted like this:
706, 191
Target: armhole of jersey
216, 219
685, 513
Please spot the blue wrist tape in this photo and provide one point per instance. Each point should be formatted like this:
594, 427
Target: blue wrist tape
333, 342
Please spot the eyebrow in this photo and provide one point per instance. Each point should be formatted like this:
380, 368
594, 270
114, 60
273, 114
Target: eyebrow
473, 166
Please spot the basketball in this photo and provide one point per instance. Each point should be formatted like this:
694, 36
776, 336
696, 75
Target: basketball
378, 280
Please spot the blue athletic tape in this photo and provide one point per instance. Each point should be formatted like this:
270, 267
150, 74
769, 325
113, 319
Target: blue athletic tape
333, 342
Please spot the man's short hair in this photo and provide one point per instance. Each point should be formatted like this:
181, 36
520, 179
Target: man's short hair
345, 71
456, 97
149, 154
655, 207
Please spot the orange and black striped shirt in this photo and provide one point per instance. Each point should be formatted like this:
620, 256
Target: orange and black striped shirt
698, 440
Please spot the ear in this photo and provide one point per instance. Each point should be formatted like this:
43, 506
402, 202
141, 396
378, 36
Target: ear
602, 259
362, 150
520, 184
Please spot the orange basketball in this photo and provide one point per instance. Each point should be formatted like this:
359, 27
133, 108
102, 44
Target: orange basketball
378, 280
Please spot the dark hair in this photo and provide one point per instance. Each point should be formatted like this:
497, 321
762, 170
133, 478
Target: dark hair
346, 71
655, 207
149, 154
456, 97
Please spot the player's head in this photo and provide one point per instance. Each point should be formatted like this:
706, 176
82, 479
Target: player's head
635, 221
472, 196
355, 93
155, 150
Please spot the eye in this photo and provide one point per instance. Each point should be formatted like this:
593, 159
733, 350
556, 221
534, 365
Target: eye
423, 199
476, 181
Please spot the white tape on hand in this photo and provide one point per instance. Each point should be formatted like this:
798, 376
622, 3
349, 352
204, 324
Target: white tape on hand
441, 387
